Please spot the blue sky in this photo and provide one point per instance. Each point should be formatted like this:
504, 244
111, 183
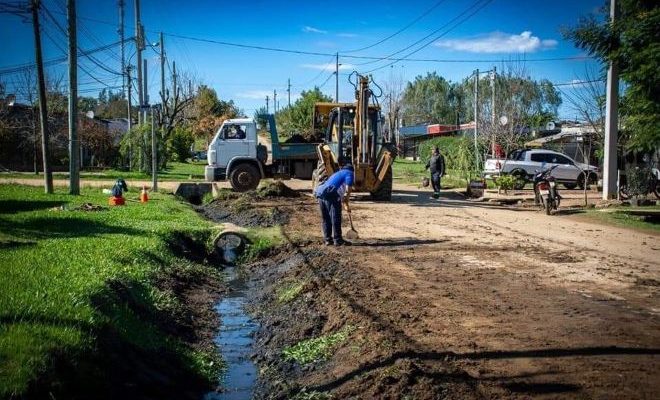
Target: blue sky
501, 30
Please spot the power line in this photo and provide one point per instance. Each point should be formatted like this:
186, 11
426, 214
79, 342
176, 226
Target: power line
425, 13
314, 53
63, 32
58, 60
479, 4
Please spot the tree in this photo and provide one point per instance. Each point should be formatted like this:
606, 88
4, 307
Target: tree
426, 100
260, 117
297, 119
209, 112
524, 102
632, 44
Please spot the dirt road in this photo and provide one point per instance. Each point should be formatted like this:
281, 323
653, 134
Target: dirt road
452, 299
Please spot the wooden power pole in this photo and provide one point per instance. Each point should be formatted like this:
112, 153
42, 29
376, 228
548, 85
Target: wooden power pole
43, 106
74, 143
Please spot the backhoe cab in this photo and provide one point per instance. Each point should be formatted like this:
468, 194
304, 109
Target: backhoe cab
352, 133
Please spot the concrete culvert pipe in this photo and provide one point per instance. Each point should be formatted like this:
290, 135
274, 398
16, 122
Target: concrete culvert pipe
230, 245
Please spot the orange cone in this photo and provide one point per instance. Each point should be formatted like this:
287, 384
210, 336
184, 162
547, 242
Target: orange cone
144, 197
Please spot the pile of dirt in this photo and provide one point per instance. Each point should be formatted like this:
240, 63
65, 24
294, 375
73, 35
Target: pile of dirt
243, 211
246, 209
275, 189
297, 138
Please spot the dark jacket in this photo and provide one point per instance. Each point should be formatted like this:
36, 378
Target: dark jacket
436, 164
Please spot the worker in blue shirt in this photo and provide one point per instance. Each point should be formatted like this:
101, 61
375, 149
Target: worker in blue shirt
330, 195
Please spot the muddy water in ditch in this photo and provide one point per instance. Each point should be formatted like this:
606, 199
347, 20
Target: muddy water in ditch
234, 342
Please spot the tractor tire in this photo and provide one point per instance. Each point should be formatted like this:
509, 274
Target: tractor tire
244, 177
319, 176
521, 179
384, 190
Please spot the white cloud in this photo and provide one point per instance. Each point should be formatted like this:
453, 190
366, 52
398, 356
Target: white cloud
328, 66
255, 94
347, 35
311, 29
498, 42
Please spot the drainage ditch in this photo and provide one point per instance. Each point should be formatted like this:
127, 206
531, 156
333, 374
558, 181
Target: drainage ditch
235, 338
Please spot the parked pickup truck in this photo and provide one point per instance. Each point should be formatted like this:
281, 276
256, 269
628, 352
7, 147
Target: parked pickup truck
235, 154
524, 163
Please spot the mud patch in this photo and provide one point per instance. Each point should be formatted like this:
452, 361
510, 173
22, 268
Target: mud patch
243, 212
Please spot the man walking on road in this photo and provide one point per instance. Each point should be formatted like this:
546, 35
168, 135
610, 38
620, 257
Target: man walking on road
330, 195
437, 167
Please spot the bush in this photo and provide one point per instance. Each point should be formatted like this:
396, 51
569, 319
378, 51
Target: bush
506, 182
639, 181
182, 139
458, 152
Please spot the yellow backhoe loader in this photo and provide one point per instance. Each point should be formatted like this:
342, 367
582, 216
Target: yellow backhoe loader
352, 133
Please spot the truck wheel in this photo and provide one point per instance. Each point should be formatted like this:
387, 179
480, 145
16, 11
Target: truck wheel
384, 190
521, 179
319, 175
244, 177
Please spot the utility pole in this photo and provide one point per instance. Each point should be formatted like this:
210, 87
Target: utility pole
74, 143
143, 112
267, 112
130, 123
174, 92
163, 108
154, 156
120, 30
288, 90
274, 101
611, 123
162, 71
337, 78
43, 106
139, 42
492, 106
476, 115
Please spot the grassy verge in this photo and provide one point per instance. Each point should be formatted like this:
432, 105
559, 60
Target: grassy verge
261, 241
175, 171
412, 172
622, 219
76, 287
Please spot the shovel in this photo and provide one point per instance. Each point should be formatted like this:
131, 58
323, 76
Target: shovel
352, 233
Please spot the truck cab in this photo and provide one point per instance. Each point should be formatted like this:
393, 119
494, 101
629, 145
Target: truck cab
236, 155
233, 155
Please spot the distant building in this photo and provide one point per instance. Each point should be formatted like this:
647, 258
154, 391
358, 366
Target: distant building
410, 137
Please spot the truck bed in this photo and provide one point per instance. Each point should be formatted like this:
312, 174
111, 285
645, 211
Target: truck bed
294, 151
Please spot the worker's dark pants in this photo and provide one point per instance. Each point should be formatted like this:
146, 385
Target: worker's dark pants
435, 181
331, 215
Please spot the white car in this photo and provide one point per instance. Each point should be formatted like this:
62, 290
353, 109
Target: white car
524, 163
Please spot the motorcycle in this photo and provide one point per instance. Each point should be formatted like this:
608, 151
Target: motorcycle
545, 190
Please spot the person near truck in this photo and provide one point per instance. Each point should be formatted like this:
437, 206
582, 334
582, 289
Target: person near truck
330, 195
436, 165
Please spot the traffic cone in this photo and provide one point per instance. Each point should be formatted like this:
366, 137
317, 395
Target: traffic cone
144, 197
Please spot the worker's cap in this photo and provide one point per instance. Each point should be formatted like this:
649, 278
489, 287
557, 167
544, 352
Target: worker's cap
348, 166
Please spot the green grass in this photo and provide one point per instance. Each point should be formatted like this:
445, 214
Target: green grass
175, 171
55, 270
316, 349
624, 220
261, 241
289, 292
412, 172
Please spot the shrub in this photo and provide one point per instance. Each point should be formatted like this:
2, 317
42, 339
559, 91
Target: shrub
506, 182
182, 139
639, 181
